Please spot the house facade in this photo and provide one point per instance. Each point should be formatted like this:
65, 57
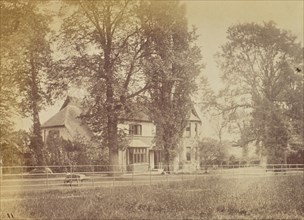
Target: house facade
142, 154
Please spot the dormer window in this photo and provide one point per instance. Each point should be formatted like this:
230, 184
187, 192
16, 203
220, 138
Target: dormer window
135, 129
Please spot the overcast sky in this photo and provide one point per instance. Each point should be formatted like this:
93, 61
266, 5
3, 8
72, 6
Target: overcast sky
212, 18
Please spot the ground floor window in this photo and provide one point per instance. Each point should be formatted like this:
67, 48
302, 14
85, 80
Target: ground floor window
188, 153
137, 155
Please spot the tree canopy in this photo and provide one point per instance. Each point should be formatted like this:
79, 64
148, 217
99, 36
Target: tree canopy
171, 70
119, 50
104, 46
25, 61
262, 67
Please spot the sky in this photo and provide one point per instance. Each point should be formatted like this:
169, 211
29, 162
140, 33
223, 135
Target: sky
212, 19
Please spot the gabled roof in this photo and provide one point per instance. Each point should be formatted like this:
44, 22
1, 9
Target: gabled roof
71, 101
194, 116
138, 114
68, 117
142, 114
57, 120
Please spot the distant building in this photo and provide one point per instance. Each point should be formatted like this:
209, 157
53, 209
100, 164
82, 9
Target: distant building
141, 154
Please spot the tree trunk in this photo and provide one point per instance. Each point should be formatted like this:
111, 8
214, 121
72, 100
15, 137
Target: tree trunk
113, 159
112, 140
112, 115
36, 139
167, 160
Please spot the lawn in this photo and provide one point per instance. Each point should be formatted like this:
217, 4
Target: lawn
275, 197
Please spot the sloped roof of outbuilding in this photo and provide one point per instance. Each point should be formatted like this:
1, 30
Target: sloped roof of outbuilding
68, 117
56, 120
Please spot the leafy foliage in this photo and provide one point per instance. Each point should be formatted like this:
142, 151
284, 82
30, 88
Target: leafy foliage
261, 67
171, 69
61, 152
211, 152
103, 41
16, 151
27, 59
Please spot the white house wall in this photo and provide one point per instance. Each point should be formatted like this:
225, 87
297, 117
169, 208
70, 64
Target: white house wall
148, 133
148, 128
193, 164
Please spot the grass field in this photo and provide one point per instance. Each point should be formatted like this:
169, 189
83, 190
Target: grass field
275, 197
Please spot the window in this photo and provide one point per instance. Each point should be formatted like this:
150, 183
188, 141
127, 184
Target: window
196, 129
137, 155
135, 129
188, 130
188, 153
54, 134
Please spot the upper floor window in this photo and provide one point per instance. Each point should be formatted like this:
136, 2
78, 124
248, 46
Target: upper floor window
196, 153
196, 129
188, 130
135, 129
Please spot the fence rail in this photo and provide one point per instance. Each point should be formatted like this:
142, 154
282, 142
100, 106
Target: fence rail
34, 178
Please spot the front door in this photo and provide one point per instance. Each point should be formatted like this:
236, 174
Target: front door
158, 159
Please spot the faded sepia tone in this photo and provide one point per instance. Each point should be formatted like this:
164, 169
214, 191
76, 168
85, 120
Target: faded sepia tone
151, 109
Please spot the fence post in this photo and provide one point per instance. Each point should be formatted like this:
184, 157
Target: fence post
113, 170
71, 183
0, 187
93, 176
47, 179
182, 174
150, 178
132, 177
167, 179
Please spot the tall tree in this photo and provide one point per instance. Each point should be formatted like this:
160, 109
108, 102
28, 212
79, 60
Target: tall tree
104, 43
26, 58
259, 64
171, 70
8, 82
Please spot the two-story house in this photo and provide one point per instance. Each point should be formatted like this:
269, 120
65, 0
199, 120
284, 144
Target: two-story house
141, 153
